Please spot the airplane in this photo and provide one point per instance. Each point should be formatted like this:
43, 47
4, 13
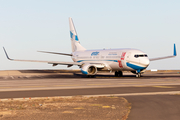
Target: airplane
92, 61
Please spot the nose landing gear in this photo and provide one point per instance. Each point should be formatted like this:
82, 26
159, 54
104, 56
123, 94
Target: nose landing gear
138, 75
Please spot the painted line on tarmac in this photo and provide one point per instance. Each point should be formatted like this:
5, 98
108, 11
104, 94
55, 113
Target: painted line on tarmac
79, 86
163, 86
101, 84
165, 82
63, 85
131, 83
138, 94
31, 86
5, 87
150, 93
108, 95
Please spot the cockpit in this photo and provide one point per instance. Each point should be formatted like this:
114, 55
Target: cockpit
140, 55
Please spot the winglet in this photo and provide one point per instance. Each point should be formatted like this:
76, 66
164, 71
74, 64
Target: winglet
175, 54
6, 54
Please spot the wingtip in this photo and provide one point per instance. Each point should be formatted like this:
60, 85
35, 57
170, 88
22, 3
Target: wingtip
6, 54
175, 53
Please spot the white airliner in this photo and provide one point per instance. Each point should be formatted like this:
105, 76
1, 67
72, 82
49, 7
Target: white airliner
92, 61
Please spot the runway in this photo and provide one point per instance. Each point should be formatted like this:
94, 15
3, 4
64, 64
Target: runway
153, 96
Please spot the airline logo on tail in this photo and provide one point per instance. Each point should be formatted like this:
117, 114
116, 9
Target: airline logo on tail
74, 37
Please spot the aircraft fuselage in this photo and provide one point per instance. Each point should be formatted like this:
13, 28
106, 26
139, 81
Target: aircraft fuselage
114, 59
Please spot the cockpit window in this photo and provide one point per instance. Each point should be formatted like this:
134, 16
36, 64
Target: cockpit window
142, 55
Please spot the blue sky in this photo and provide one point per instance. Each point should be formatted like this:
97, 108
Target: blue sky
27, 26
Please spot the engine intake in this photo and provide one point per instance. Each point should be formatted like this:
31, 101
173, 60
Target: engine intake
89, 69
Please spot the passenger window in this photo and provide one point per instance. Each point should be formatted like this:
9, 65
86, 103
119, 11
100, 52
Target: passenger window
136, 56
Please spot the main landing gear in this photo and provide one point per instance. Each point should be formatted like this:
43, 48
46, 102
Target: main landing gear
118, 74
91, 76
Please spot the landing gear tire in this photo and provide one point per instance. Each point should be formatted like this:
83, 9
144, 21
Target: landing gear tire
118, 74
90, 76
138, 75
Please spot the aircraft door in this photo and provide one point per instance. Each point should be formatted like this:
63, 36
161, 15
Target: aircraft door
128, 56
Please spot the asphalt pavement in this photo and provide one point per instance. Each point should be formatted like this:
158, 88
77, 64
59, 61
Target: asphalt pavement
154, 107
155, 96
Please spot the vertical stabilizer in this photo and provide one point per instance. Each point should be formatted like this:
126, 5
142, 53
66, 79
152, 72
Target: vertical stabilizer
76, 46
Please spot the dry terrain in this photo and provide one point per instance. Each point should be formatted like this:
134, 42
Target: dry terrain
68, 108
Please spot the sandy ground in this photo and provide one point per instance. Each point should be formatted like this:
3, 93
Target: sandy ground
73, 108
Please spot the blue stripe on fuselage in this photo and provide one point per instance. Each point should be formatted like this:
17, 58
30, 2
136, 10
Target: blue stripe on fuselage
135, 67
98, 60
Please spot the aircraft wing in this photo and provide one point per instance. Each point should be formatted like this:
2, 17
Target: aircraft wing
56, 53
49, 62
160, 58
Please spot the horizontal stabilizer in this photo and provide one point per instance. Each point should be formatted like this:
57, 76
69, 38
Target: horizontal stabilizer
160, 58
56, 53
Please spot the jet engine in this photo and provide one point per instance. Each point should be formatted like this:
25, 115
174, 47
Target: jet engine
89, 69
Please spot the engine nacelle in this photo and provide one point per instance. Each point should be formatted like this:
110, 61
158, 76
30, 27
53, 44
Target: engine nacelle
89, 69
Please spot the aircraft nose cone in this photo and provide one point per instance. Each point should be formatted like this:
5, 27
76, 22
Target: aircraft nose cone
145, 62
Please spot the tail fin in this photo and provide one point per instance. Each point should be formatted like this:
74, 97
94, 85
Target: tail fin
76, 46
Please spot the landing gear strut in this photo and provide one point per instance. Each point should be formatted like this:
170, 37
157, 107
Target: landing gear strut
118, 74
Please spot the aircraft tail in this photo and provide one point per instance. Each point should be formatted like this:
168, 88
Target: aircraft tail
76, 46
